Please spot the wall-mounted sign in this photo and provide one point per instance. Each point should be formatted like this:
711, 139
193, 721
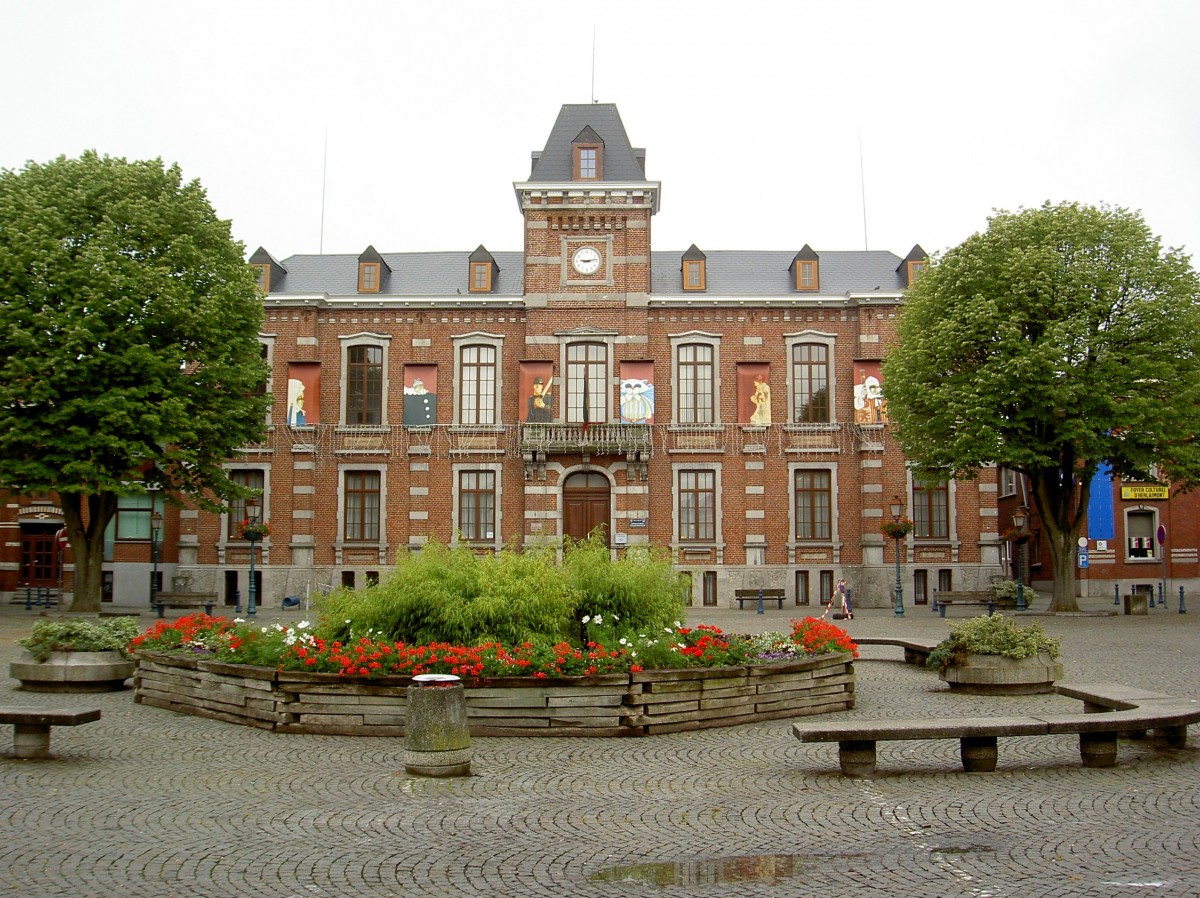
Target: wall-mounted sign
637, 522
1145, 492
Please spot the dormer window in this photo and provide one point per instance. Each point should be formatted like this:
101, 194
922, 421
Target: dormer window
587, 150
694, 274
913, 266
483, 271
368, 277
372, 271
268, 273
806, 270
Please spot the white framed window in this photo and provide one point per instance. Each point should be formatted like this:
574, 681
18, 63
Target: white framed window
1141, 528
931, 507
477, 379
697, 504
362, 504
587, 383
476, 504
364, 383
1008, 482
814, 502
696, 359
812, 397
256, 476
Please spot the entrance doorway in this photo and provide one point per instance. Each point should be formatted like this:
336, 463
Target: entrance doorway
586, 505
39, 556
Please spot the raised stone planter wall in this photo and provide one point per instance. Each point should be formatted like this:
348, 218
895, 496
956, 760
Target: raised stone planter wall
72, 672
995, 675
636, 704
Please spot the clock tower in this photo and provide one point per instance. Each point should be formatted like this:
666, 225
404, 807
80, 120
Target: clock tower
587, 207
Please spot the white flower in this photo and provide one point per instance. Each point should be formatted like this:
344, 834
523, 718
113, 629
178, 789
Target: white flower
266, 630
586, 618
667, 629
623, 641
599, 620
678, 625
633, 654
347, 620
239, 620
303, 625
616, 618
290, 639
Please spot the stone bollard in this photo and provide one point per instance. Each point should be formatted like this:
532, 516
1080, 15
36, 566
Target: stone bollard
437, 739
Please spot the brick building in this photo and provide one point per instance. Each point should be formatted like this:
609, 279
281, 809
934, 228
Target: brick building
723, 404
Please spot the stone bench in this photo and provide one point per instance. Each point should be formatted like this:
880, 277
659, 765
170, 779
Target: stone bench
188, 600
752, 595
1109, 710
916, 651
31, 727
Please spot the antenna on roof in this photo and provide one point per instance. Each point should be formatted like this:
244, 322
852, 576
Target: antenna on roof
862, 182
593, 64
324, 170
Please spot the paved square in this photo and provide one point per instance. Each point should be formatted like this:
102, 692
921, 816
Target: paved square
150, 803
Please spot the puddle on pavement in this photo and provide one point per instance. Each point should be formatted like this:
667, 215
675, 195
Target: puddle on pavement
765, 868
768, 868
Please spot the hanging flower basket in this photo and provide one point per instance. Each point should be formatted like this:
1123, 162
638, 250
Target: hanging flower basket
253, 532
896, 529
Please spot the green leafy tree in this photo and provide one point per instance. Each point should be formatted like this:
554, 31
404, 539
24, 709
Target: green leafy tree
128, 343
1061, 338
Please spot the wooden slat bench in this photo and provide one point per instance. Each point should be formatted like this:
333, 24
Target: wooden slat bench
31, 727
1109, 710
915, 650
189, 600
751, 595
973, 598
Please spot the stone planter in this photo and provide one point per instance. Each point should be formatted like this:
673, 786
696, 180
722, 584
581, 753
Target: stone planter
72, 672
617, 704
997, 675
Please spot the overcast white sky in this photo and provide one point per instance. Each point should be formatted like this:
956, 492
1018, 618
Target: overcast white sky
752, 114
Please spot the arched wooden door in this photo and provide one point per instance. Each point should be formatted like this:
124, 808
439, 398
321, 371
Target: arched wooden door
586, 505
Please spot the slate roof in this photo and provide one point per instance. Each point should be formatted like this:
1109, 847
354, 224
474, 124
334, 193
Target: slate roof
412, 274
750, 273
767, 274
621, 161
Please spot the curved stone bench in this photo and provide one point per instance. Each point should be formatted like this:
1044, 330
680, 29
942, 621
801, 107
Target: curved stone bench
915, 650
1110, 710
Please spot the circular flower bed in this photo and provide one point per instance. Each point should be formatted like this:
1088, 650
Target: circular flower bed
291, 679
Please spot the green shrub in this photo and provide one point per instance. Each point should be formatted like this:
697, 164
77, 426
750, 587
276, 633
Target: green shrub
454, 595
640, 588
441, 594
990, 635
1006, 590
80, 635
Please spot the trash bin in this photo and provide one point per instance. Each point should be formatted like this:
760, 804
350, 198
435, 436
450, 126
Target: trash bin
437, 738
1136, 604
291, 601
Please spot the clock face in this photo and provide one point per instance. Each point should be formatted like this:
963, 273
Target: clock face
586, 260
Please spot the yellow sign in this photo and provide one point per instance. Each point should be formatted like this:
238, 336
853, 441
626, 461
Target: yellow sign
1145, 492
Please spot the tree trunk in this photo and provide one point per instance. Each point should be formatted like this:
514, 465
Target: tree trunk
1061, 513
87, 543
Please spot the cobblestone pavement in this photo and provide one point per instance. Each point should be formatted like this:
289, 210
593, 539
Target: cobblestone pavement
145, 802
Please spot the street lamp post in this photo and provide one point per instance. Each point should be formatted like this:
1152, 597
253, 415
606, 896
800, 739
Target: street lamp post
156, 522
253, 514
897, 514
1020, 519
